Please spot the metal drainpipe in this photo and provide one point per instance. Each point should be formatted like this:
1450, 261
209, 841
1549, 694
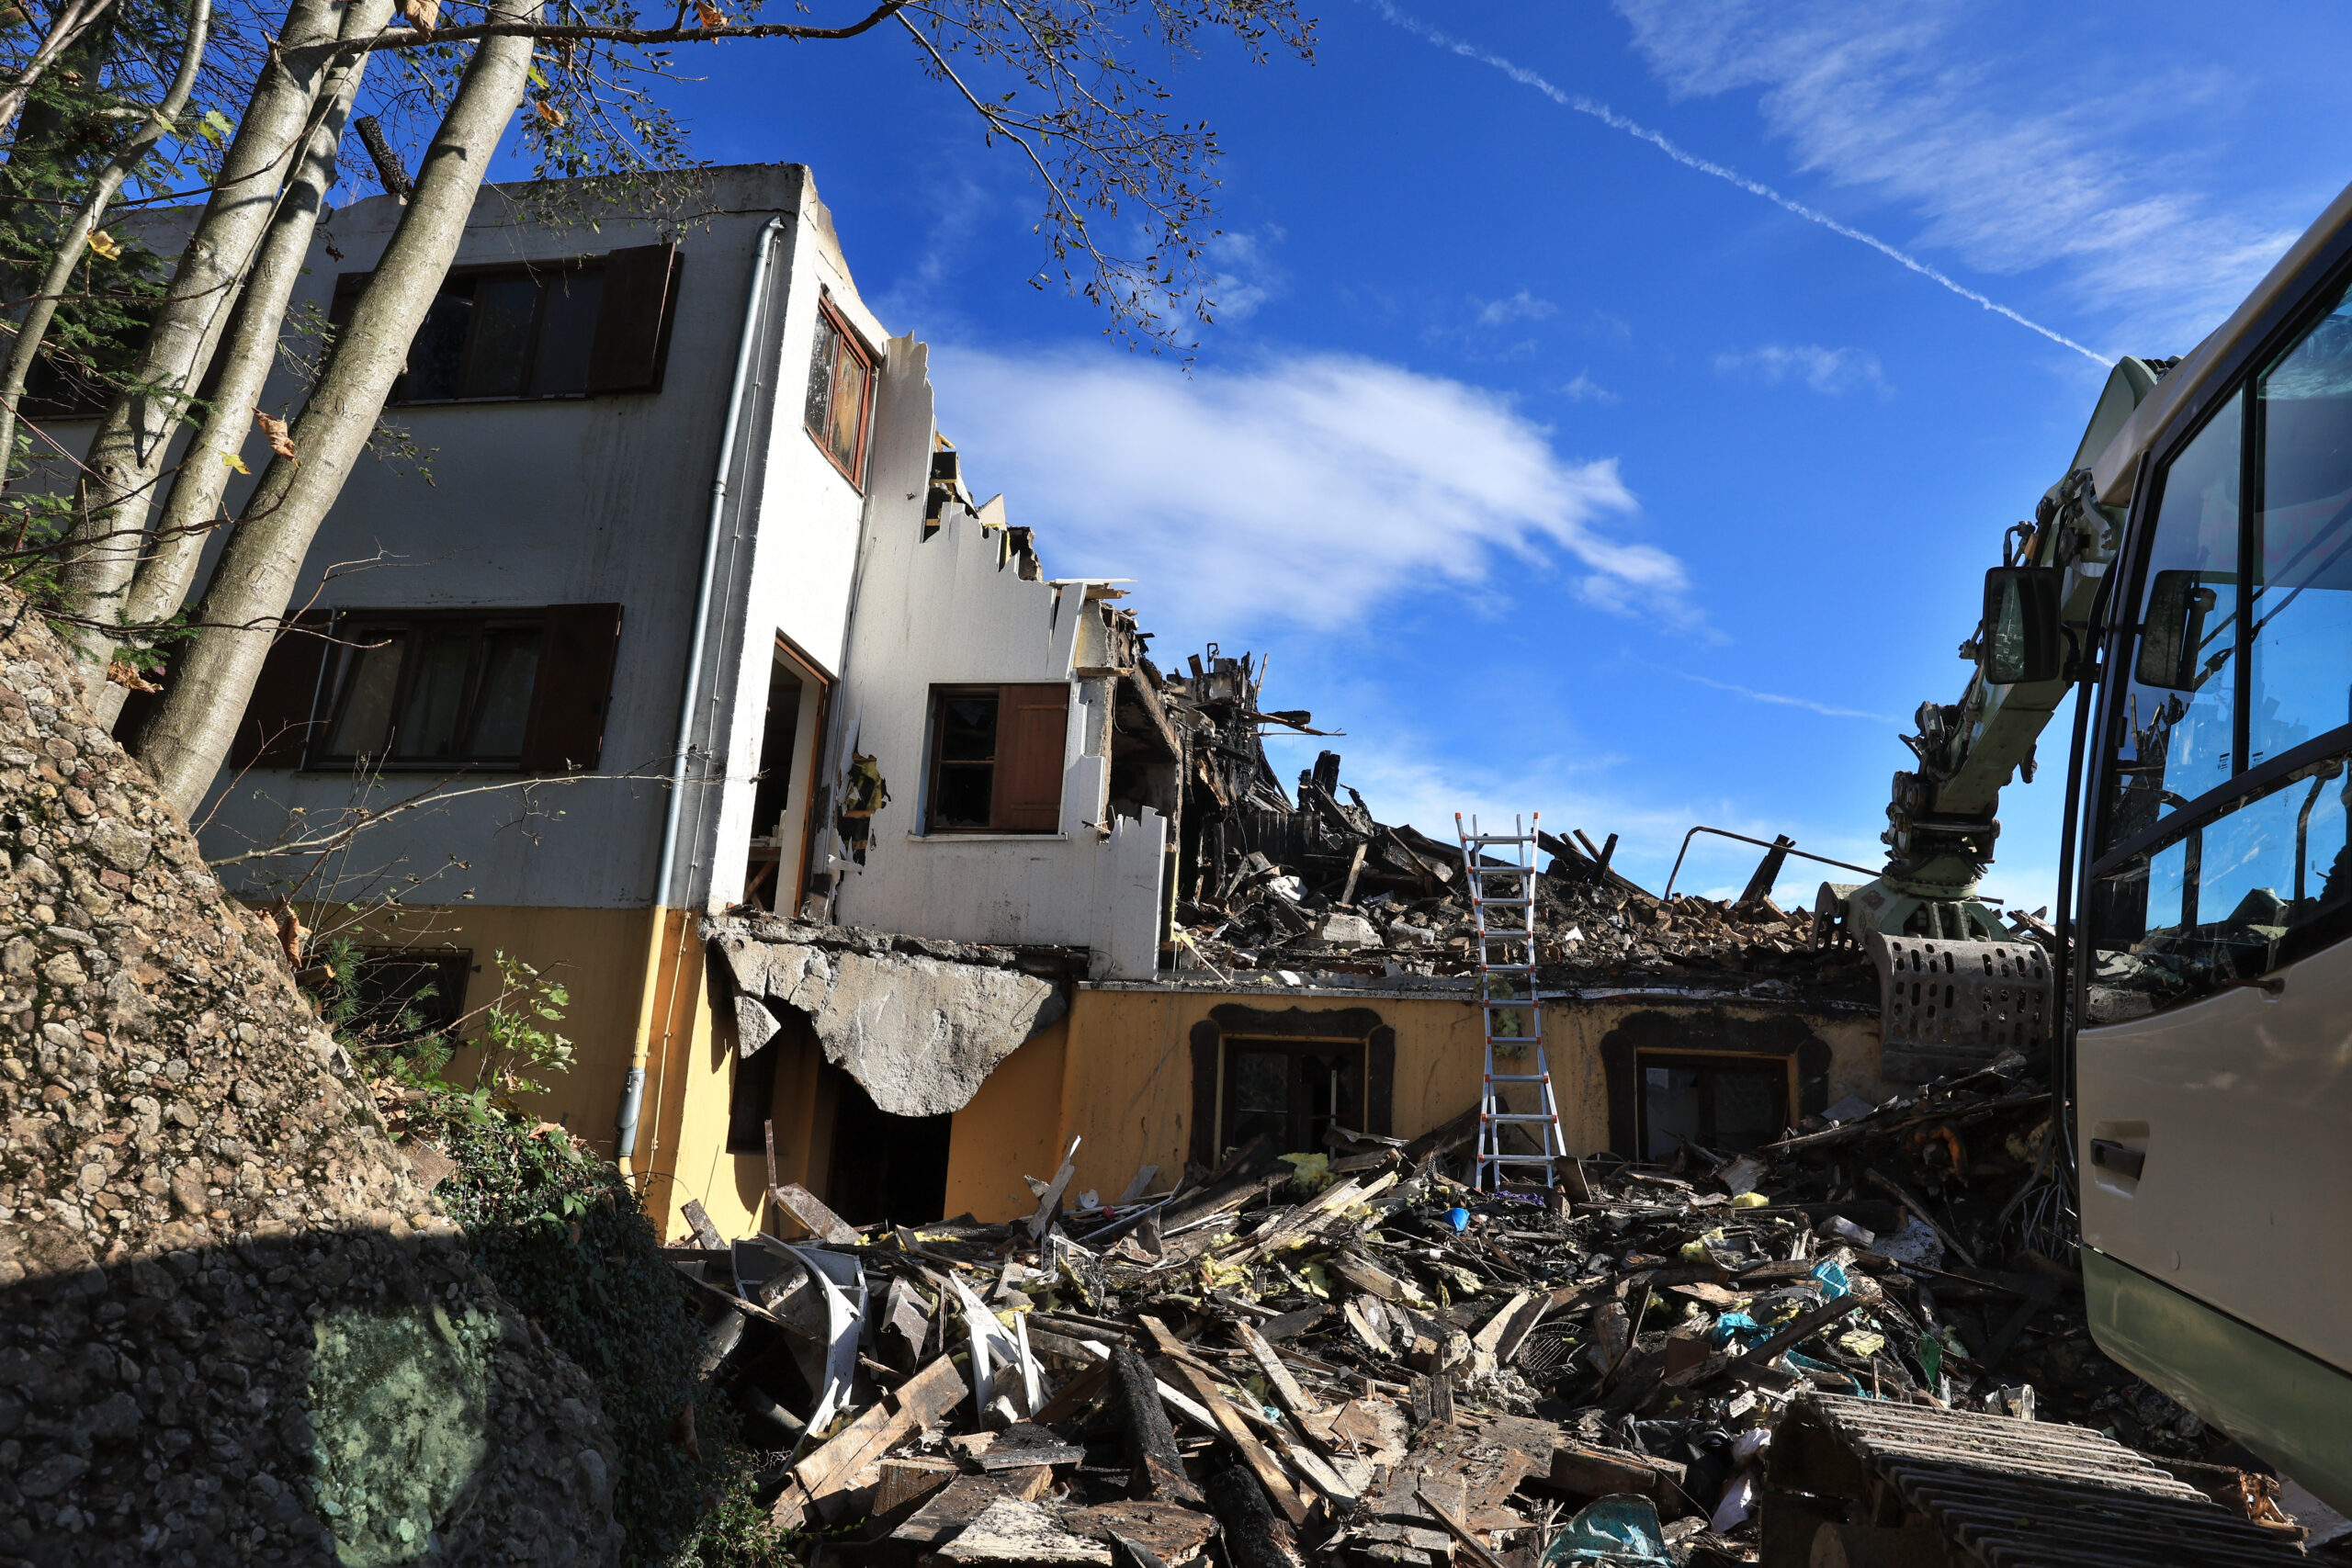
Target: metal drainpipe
633, 1087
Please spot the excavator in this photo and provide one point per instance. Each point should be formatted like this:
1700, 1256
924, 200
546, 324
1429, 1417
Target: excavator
2189, 582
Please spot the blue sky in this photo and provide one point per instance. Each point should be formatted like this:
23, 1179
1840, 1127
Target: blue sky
1562, 475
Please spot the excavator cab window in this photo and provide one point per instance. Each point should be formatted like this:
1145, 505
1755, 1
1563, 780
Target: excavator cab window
2223, 852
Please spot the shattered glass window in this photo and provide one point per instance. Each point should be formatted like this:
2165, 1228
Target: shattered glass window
1291, 1094
839, 380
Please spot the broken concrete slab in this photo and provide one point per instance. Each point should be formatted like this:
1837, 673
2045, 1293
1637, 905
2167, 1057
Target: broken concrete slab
919, 1034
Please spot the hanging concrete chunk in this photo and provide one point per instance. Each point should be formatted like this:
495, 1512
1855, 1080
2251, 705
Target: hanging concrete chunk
920, 1035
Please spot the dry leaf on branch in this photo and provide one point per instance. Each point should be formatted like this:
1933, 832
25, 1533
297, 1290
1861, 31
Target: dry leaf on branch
281, 439
122, 674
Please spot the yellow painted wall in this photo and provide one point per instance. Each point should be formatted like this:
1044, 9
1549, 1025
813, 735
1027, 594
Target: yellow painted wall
1119, 1074
597, 955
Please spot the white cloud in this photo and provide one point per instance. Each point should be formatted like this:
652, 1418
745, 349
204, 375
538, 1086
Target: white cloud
1825, 370
1520, 307
1776, 700
1585, 389
1244, 274
1896, 96
1306, 490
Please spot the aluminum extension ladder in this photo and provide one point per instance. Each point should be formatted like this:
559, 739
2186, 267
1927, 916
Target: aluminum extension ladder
1509, 1012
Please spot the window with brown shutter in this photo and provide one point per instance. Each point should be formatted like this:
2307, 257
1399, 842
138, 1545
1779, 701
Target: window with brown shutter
996, 758
277, 723
523, 690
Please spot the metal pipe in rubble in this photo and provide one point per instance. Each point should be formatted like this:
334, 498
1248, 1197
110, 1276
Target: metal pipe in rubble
1760, 843
633, 1085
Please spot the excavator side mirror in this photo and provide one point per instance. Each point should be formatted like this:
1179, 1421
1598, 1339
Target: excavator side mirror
2173, 634
2021, 639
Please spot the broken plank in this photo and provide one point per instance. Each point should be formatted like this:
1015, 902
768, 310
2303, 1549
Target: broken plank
1141, 1185
1591, 1472
1009, 1530
1049, 1203
910, 1480
1287, 1393
946, 1512
1172, 1533
812, 1215
1270, 1474
820, 1482
1460, 1531
698, 1222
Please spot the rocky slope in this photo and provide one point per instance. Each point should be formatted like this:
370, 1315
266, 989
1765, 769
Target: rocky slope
233, 1329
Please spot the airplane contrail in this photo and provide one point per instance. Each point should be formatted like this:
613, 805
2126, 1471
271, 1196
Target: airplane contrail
1612, 118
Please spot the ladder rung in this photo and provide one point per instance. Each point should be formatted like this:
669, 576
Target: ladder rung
1516, 1116
1518, 1078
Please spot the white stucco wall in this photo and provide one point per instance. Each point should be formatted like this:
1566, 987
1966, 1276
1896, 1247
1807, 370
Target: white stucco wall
942, 611
602, 499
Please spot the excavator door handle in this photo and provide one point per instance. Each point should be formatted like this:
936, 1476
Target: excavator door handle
2124, 1161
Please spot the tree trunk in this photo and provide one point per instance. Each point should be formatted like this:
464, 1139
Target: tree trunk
34, 328
127, 450
188, 739
162, 583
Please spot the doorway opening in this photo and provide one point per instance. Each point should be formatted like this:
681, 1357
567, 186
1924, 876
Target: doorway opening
776, 864
1728, 1105
885, 1168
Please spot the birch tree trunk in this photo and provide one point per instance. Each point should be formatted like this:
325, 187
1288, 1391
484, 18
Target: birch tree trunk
127, 450
188, 739
250, 351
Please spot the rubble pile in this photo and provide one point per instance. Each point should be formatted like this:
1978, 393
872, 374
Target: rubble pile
1351, 1358
1325, 887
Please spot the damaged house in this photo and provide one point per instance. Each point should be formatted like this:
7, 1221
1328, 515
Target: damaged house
876, 861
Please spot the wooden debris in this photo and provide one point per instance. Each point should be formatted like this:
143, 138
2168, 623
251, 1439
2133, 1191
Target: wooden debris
812, 1216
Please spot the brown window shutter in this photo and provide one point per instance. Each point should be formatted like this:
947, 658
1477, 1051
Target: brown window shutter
276, 730
1033, 724
633, 317
574, 689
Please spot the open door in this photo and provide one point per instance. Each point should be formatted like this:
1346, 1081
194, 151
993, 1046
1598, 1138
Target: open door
799, 692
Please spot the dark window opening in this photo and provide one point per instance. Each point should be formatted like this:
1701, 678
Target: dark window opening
887, 1169
841, 389
505, 335
1291, 1093
996, 759
559, 329
408, 993
752, 1103
1729, 1105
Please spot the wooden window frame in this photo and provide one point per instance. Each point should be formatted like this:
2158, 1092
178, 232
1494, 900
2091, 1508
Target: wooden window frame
855, 341
344, 663
933, 731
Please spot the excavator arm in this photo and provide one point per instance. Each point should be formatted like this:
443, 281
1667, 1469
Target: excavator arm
1958, 986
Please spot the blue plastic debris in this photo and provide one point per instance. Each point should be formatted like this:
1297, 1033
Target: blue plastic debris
1622, 1529
1833, 1281
1809, 1364
1459, 1219
1735, 1323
